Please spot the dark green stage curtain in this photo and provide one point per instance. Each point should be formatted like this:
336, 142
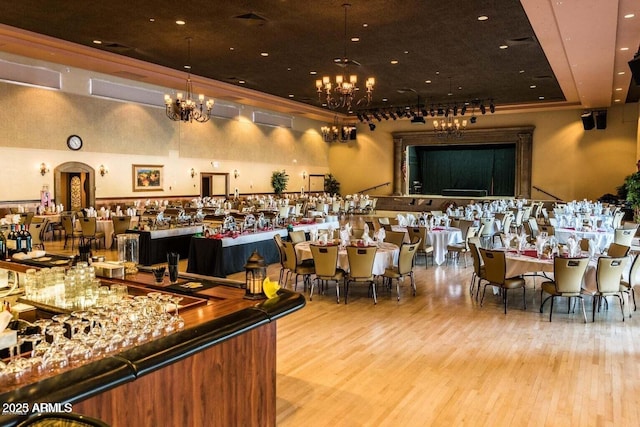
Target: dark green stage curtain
490, 168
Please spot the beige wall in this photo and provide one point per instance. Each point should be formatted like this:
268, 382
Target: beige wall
568, 161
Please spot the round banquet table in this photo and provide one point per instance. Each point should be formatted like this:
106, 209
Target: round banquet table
386, 256
440, 238
601, 238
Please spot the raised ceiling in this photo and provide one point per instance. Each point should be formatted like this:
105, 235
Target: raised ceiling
557, 52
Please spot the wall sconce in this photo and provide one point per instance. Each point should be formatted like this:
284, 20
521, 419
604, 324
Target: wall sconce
304, 174
103, 170
236, 174
43, 169
192, 172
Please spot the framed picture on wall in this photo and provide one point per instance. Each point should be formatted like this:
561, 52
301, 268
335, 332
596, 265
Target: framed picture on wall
148, 177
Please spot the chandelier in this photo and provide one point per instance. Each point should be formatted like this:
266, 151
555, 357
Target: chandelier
337, 132
449, 126
344, 93
186, 108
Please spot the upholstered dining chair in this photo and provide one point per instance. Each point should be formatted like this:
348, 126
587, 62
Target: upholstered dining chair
458, 249
325, 259
395, 237
479, 273
424, 248
567, 282
69, 230
361, 261
89, 231
486, 235
303, 268
549, 229
623, 236
617, 250
37, 231
277, 238
404, 267
120, 226
495, 265
608, 277
297, 236
629, 285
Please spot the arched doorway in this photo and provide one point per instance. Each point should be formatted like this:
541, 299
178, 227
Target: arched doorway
74, 185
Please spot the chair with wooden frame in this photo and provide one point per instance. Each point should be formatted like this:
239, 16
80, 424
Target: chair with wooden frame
495, 265
361, 261
325, 259
567, 282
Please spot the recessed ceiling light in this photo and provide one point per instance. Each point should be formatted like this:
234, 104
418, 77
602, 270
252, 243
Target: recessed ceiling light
187, 67
624, 48
483, 18
232, 48
541, 97
180, 22
152, 20
459, 87
618, 89
629, 15
290, 95
355, 39
313, 73
264, 54
288, 68
521, 71
384, 99
406, 52
365, 25
428, 81
616, 100
503, 46
620, 73
532, 87
97, 41
394, 61
241, 82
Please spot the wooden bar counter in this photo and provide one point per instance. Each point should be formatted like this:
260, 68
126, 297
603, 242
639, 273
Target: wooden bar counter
220, 370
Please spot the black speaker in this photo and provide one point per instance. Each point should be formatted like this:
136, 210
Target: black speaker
587, 120
601, 119
634, 64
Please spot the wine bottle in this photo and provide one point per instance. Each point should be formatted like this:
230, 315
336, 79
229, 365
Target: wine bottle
12, 242
26, 239
3, 246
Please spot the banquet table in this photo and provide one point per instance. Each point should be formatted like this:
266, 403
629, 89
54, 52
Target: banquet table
386, 256
439, 238
602, 238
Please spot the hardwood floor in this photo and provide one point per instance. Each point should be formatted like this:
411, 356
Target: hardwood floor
439, 359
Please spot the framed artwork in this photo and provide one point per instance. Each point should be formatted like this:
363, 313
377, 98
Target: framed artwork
148, 177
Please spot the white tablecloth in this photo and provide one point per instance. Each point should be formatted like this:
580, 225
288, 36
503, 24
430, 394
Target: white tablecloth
602, 239
386, 256
440, 238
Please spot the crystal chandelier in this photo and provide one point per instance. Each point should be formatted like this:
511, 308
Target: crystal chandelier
344, 93
449, 127
186, 108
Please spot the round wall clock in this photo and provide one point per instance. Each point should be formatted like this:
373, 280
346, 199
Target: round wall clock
74, 142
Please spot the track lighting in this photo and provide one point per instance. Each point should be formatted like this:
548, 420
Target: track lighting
384, 115
464, 110
483, 109
372, 127
440, 111
392, 115
360, 117
455, 110
377, 116
473, 119
492, 107
432, 112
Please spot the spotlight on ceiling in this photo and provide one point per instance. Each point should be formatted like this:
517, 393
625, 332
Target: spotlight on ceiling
440, 111
473, 119
424, 112
492, 107
365, 117
446, 112
360, 117
372, 127
455, 110
432, 112
384, 115
417, 120
483, 109
393, 115
377, 116
464, 110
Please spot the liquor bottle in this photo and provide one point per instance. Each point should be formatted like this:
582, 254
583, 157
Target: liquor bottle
3, 246
26, 239
12, 241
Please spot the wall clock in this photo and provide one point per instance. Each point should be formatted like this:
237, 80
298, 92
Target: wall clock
74, 142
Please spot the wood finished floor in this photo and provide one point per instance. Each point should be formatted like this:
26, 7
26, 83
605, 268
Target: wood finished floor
439, 359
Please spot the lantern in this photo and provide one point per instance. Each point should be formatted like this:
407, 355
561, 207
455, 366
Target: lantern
256, 272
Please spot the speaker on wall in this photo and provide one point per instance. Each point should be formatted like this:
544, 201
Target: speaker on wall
587, 120
601, 119
634, 64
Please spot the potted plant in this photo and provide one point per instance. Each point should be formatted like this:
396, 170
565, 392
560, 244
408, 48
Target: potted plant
331, 185
279, 180
632, 186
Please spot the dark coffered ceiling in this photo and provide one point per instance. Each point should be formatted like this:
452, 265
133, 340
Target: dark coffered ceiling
444, 53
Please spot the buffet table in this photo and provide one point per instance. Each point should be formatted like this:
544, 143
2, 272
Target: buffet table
218, 370
154, 245
228, 255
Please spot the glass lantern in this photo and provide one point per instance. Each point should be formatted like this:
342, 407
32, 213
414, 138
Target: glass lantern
256, 272
128, 251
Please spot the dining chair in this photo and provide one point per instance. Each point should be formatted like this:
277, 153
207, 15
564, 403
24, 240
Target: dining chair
549, 229
357, 233
277, 238
361, 261
495, 264
37, 230
404, 268
609, 272
623, 236
629, 285
486, 235
567, 282
505, 227
395, 237
479, 273
297, 236
120, 226
69, 230
616, 250
90, 232
303, 268
25, 218
325, 259
457, 249
424, 248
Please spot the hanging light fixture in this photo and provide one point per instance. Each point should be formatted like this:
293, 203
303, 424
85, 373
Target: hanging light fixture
186, 108
343, 94
338, 132
449, 127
